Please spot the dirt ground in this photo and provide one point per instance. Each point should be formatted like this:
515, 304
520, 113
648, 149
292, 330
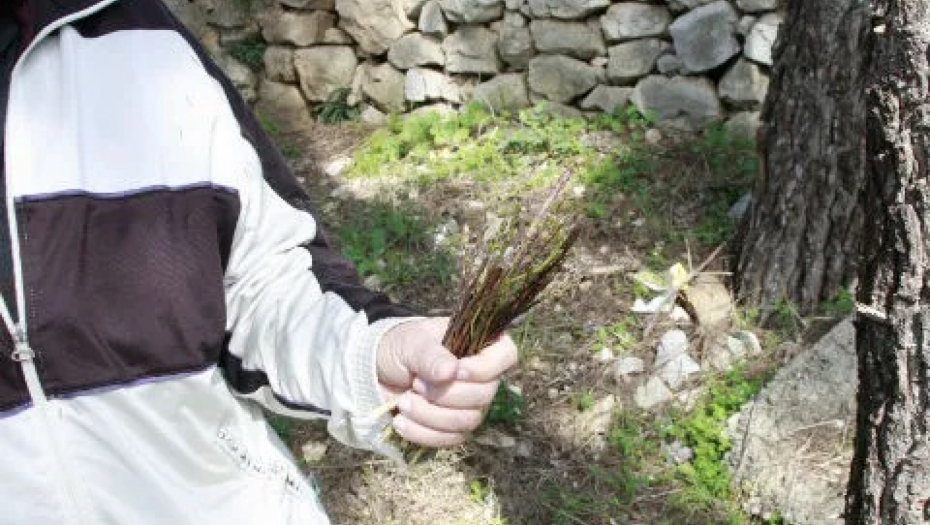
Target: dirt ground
556, 455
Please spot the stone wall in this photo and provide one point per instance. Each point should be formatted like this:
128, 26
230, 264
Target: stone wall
687, 62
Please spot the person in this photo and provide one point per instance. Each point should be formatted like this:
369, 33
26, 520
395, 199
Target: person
164, 278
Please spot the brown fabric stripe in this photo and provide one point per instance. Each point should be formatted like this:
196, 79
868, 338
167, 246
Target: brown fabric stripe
123, 289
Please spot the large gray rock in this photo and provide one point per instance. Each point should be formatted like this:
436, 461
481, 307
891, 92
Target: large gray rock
652, 394
576, 39
744, 85
242, 77
504, 92
412, 8
566, 9
705, 37
298, 29
669, 64
226, 14
516, 46
324, 69
684, 5
630, 20
607, 98
279, 64
791, 447
336, 36
744, 124
472, 49
562, 79
633, 60
384, 86
283, 106
762, 37
374, 24
432, 22
692, 99
472, 11
755, 6
423, 85
413, 50
192, 15
310, 5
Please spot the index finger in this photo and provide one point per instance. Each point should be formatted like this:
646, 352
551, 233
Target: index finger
490, 363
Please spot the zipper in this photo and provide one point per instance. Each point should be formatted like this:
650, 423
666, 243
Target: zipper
23, 353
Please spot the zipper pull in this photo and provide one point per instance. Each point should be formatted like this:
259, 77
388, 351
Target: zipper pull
21, 349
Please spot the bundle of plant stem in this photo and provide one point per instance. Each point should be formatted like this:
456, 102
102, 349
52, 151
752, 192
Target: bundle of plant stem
509, 269
502, 279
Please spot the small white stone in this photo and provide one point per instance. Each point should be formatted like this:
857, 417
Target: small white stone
496, 439
676, 371
652, 394
605, 355
313, 451
629, 365
373, 282
736, 347
750, 342
679, 315
335, 167
523, 449
653, 136
673, 344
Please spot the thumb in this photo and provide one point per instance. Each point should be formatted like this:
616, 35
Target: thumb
414, 350
430, 361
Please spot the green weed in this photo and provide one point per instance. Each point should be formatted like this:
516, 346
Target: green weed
706, 478
785, 320
250, 51
284, 427
336, 108
583, 401
619, 337
843, 303
507, 406
386, 241
289, 149
731, 164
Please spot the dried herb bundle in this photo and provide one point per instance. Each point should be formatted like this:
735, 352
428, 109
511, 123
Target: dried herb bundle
508, 272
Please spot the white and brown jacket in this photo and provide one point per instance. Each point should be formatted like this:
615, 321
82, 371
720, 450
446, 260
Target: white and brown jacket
169, 279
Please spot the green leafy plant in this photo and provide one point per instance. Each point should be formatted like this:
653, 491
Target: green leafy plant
706, 477
619, 336
583, 401
336, 108
389, 242
250, 51
507, 406
843, 303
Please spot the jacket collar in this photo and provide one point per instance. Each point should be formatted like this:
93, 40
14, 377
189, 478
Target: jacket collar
38, 15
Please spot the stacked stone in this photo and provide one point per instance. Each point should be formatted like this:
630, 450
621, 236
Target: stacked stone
688, 62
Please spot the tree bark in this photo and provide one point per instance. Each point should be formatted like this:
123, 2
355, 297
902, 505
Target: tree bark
799, 243
890, 476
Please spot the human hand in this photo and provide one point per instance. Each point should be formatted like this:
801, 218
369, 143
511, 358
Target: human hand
440, 398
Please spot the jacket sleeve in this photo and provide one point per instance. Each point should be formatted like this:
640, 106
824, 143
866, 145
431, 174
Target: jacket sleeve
302, 330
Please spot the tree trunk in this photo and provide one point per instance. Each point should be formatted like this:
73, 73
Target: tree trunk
799, 243
890, 476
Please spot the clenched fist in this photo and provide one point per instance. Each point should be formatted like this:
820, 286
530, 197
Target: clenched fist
441, 398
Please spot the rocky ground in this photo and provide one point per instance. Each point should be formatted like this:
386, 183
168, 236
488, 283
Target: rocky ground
561, 459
